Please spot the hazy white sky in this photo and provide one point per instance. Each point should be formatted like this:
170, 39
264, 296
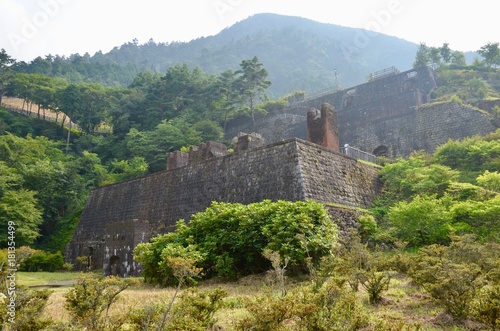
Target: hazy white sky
31, 28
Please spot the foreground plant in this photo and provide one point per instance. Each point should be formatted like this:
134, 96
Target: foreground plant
462, 277
90, 299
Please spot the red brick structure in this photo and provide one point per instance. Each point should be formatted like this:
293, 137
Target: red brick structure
322, 127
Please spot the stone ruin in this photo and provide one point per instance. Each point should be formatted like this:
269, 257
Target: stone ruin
211, 150
118, 217
322, 127
390, 115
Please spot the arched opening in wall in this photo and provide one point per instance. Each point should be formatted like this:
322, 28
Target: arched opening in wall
381, 151
348, 102
349, 98
90, 255
114, 265
409, 85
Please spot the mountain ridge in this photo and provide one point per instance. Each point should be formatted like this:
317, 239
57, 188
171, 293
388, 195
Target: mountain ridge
298, 53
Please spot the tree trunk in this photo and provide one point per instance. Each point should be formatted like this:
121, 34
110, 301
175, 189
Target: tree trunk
251, 110
69, 135
1, 92
63, 120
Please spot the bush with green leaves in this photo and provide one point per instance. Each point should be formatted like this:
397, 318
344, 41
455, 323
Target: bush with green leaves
481, 216
353, 263
90, 299
195, 310
426, 198
307, 307
43, 261
490, 180
456, 275
487, 306
416, 175
228, 239
471, 155
28, 313
423, 221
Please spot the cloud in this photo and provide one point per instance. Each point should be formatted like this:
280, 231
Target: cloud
11, 14
26, 26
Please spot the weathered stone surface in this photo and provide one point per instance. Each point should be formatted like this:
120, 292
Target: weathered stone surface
177, 159
389, 115
246, 142
117, 217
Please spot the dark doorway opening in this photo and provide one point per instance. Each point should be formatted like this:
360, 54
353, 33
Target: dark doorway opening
381, 151
114, 265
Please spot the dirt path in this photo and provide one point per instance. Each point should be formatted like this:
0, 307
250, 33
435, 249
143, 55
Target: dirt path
16, 105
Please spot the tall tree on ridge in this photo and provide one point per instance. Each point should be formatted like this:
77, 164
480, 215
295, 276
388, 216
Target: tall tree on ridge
5, 71
491, 54
253, 81
423, 56
227, 86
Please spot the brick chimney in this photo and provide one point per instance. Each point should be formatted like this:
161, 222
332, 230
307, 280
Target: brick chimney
322, 127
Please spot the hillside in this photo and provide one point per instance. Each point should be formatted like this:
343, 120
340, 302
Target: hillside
299, 54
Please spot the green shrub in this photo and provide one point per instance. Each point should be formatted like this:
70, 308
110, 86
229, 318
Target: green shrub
196, 310
456, 275
273, 312
43, 261
490, 180
305, 308
423, 221
28, 310
481, 216
375, 282
230, 238
487, 305
146, 317
89, 300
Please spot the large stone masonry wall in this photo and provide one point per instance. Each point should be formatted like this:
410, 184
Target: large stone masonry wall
333, 178
382, 99
413, 85
165, 197
283, 125
390, 116
291, 170
437, 123
424, 128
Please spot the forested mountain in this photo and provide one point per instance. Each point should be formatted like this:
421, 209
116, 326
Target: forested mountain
298, 53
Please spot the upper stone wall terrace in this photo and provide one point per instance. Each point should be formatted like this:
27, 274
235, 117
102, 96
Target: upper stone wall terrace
390, 114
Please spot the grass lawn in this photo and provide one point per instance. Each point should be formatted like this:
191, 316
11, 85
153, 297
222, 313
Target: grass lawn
44, 278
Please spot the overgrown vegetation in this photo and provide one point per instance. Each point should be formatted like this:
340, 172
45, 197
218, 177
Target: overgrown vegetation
426, 198
228, 240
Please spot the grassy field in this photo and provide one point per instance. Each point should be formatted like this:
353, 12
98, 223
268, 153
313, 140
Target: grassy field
403, 302
43, 278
